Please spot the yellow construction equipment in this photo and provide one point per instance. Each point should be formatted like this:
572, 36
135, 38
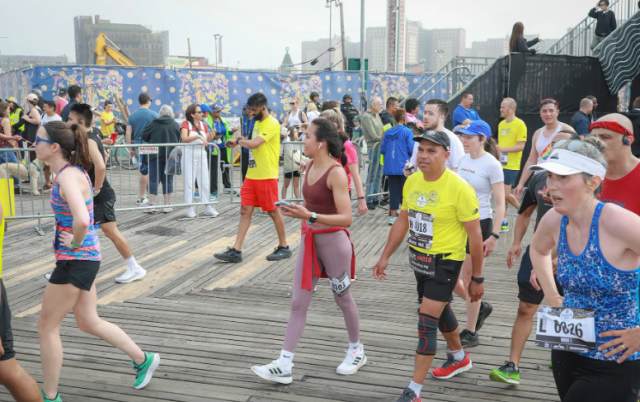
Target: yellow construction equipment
105, 47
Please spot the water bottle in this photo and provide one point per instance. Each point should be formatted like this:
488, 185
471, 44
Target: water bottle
134, 161
408, 166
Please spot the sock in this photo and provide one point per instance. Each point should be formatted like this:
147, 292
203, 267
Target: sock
286, 359
459, 355
416, 388
131, 262
354, 346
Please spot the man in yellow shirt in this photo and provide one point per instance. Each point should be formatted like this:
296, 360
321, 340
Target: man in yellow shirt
260, 187
107, 119
512, 137
439, 210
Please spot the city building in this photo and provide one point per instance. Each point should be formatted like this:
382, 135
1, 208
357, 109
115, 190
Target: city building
286, 67
375, 48
319, 50
143, 46
493, 48
19, 61
438, 46
412, 39
396, 25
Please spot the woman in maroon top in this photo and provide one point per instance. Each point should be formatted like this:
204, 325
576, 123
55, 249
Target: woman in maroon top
325, 250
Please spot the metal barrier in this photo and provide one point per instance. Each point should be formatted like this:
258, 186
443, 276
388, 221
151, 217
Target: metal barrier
376, 180
293, 153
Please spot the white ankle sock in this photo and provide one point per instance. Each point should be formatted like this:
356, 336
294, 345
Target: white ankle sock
354, 346
286, 359
131, 262
416, 388
459, 355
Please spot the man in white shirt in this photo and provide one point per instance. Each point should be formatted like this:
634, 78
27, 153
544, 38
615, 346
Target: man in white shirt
435, 113
49, 109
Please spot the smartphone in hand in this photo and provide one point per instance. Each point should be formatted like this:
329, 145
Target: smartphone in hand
282, 204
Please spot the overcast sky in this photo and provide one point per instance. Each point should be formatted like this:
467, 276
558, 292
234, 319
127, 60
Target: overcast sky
256, 32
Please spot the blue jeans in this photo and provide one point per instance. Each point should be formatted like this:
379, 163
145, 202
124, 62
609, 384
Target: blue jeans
9, 157
156, 174
374, 184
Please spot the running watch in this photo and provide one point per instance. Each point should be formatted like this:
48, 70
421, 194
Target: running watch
479, 279
313, 217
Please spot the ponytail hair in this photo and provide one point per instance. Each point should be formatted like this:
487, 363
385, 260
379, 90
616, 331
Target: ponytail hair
490, 147
73, 141
335, 116
326, 131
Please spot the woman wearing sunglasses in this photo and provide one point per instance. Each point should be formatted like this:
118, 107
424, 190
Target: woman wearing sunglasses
598, 248
296, 117
77, 252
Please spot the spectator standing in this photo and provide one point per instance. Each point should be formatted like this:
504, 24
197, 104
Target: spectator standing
163, 130
606, 22
518, 44
582, 118
31, 122
38, 93
349, 111
387, 115
594, 115
634, 116
357, 127
463, 114
292, 159
75, 95
330, 104
314, 98
512, 138
50, 112
413, 108
107, 120
135, 126
15, 116
397, 147
222, 133
312, 112
248, 124
62, 101
372, 130
7, 140
296, 116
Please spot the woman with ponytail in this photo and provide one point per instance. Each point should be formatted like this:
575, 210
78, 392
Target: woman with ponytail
481, 168
77, 252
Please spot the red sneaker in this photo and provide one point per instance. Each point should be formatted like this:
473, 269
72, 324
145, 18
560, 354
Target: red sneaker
452, 367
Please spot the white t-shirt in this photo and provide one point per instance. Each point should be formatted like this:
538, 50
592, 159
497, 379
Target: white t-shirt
312, 115
456, 149
46, 119
481, 173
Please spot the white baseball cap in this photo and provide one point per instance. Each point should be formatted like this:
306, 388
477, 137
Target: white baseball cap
31, 97
567, 163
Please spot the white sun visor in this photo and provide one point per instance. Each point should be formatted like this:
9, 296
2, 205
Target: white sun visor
566, 163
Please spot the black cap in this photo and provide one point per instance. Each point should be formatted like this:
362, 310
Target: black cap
437, 137
314, 93
347, 96
62, 91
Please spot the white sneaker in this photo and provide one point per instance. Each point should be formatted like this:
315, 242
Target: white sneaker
191, 213
275, 372
352, 362
211, 211
150, 211
141, 201
167, 210
131, 275
47, 276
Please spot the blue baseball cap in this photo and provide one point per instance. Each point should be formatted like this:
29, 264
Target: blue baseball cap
205, 108
245, 106
476, 127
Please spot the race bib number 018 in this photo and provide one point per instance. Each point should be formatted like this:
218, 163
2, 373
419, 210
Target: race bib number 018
420, 229
565, 328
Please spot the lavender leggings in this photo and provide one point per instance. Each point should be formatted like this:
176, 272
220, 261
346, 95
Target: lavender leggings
334, 256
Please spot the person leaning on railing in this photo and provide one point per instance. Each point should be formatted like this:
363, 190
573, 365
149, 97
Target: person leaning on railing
163, 130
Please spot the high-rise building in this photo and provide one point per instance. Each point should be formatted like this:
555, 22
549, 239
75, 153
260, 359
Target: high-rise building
396, 22
375, 48
438, 46
412, 39
319, 49
139, 43
13, 62
492, 48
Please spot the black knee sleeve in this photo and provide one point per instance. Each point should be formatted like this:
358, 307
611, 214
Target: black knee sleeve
427, 335
448, 321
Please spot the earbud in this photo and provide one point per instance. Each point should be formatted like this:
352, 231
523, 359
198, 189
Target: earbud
320, 146
625, 141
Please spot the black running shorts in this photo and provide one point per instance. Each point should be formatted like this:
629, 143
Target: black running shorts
486, 226
79, 273
440, 287
104, 212
5, 326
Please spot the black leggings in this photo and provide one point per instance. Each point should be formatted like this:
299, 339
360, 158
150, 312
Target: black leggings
580, 378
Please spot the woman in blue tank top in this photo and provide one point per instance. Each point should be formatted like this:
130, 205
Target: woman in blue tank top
598, 249
77, 252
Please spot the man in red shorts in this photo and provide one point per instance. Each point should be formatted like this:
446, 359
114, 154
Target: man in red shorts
260, 187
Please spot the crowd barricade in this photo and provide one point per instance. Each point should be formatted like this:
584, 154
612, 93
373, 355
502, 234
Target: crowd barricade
292, 153
361, 157
376, 185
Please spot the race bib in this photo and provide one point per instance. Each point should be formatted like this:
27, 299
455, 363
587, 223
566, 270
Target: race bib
340, 285
424, 264
420, 229
252, 161
504, 158
565, 328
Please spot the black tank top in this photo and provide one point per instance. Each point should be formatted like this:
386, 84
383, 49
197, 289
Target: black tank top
106, 192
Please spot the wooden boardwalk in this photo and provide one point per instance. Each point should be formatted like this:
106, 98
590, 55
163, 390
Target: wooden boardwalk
211, 321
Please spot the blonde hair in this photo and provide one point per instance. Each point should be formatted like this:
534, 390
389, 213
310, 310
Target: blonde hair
335, 116
311, 107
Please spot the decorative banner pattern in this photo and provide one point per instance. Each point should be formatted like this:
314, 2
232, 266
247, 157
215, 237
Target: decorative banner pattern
400, 86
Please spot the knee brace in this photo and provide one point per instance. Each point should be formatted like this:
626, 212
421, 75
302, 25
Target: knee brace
448, 321
427, 335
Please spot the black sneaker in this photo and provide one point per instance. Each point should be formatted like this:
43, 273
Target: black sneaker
485, 311
371, 206
280, 253
468, 339
409, 396
230, 255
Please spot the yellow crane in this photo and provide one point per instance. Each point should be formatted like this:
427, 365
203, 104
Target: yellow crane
105, 47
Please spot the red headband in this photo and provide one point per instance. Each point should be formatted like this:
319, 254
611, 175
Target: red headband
611, 125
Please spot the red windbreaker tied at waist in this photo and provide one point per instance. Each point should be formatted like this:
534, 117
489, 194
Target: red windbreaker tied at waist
311, 268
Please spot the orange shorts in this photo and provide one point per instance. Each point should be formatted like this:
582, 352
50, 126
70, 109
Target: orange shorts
260, 193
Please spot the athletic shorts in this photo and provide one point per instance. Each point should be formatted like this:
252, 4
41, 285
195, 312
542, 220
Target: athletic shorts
260, 193
291, 175
5, 326
104, 212
79, 273
510, 177
440, 287
486, 226
526, 292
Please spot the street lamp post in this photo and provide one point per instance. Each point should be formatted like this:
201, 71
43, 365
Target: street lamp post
216, 38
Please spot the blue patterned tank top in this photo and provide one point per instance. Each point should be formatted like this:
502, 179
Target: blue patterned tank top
589, 281
90, 247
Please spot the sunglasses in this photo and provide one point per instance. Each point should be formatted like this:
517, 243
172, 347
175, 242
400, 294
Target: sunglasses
573, 146
38, 139
292, 103
548, 101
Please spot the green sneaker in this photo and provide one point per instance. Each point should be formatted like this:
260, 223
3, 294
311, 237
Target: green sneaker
58, 398
507, 373
146, 369
551, 364
504, 227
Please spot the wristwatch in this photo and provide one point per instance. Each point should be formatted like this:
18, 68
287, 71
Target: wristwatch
494, 234
313, 217
479, 279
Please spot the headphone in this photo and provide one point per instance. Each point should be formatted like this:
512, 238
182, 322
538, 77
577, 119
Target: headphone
625, 141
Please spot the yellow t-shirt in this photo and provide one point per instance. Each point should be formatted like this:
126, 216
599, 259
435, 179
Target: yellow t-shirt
509, 134
107, 130
437, 211
1, 240
266, 156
